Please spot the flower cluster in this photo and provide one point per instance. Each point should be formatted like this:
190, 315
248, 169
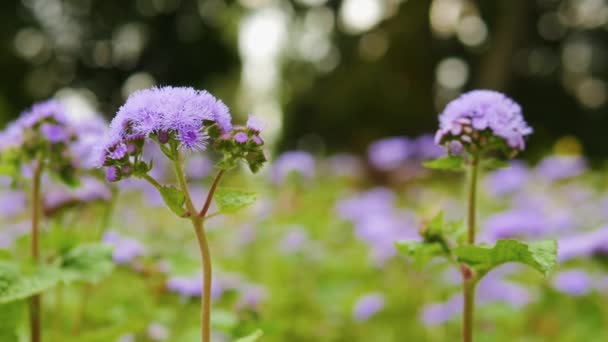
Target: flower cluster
43, 134
176, 118
481, 120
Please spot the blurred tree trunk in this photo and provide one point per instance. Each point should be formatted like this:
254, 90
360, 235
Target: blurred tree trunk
511, 27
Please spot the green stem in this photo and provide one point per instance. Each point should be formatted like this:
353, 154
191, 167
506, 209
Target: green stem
207, 204
35, 320
467, 277
203, 244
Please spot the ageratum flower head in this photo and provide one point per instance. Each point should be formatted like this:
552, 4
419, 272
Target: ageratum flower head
177, 119
43, 133
481, 120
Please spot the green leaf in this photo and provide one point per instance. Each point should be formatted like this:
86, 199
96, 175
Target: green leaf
232, 200
11, 315
251, 338
88, 263
174, 199
541, 255
453, 163
493, 164
16, 285
420, 251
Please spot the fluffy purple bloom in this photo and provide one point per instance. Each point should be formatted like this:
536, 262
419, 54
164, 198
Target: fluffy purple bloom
182, 110
241, 137
254, 124
48, 116
367, 306
390, 153
125, 249
298, 162
573, 282
193, 140
119, 152
556, 168
112, 174
478, 111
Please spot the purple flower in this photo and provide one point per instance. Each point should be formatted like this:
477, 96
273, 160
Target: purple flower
298, 162
483, 114
252, 296
455, 147
254, 124
367, 306
573, 282
125, 249
390, 153
12, 202
158, 332
193, 140
294, 240
241, 137
192, 286
561, 167
54, 133
509, 180
257, 140
160, 111
424, 148
119, 152
112, 174
583, 245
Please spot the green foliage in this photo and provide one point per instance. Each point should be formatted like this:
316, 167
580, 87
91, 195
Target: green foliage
88, 263
494, 163
11, 315
232, 200
420, 251
17, 283
174, 199
446, 163
541, 255
251, 338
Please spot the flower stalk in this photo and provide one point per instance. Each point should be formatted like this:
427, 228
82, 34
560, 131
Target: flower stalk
468, 279
35, 321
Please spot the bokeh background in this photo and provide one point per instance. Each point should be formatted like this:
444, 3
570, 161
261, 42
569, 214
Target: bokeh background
326, 75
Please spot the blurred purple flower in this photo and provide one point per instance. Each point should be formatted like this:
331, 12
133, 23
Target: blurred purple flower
192, 286
425, 148
298, 162
389, 153
556, 168
252, 297
509, 180
294, 240
367, 306
345, 165
12, 202
125, 249
573, 282
158, 332
198, 166
356, 207
583, 245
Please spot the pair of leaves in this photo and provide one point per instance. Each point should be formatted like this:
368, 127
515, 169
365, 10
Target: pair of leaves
541, 255
227, 200
85, 263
